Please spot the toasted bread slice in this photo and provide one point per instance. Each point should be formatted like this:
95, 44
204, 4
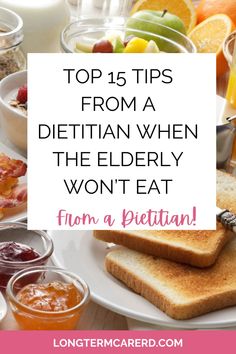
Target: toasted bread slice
181, 291
226, 191
196, 248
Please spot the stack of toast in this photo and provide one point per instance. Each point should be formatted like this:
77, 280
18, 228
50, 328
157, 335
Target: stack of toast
184, 273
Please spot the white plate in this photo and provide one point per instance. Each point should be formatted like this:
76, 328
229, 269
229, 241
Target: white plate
21, 213
79, 252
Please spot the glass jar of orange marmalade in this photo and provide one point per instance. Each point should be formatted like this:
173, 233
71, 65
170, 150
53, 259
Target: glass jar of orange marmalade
54, 301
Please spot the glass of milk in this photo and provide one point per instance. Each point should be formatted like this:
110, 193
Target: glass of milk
103, 8
43, 22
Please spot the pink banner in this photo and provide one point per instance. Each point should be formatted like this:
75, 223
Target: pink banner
194, 342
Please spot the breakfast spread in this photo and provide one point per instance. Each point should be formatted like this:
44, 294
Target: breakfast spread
183, 273
20, 101
12, 193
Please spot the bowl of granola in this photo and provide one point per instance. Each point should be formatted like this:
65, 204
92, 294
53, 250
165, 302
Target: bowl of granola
13, 108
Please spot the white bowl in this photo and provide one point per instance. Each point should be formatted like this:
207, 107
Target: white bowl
14, 122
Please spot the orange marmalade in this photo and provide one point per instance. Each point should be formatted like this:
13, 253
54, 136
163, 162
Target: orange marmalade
49, 306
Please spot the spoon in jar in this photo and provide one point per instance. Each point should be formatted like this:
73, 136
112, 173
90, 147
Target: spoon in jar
3, 307
226, 218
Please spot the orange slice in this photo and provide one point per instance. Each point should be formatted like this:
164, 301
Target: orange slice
207, 8
209, 37
184, 9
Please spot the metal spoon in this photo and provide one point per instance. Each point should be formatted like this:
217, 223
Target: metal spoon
226, 218
3, 307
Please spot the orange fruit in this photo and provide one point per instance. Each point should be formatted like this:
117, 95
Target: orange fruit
207, 8
209, 37
184, 9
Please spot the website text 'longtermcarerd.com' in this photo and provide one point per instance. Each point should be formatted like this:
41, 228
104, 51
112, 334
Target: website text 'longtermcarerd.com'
118, 343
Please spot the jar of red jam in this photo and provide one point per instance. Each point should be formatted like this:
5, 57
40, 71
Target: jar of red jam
20, 249
53, 301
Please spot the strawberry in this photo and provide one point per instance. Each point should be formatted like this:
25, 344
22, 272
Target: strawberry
22, 94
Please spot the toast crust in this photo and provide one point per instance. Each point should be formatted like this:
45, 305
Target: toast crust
196, 248
182, 292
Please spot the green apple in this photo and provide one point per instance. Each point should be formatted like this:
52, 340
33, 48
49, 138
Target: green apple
118, 45
161, 23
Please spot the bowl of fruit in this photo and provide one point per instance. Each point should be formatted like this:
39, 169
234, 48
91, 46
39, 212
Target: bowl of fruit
13, 108
144, 32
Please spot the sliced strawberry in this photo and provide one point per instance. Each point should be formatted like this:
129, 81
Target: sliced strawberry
22, 94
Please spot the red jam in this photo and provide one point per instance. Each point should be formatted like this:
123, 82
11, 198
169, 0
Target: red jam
12, 252
17, 252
